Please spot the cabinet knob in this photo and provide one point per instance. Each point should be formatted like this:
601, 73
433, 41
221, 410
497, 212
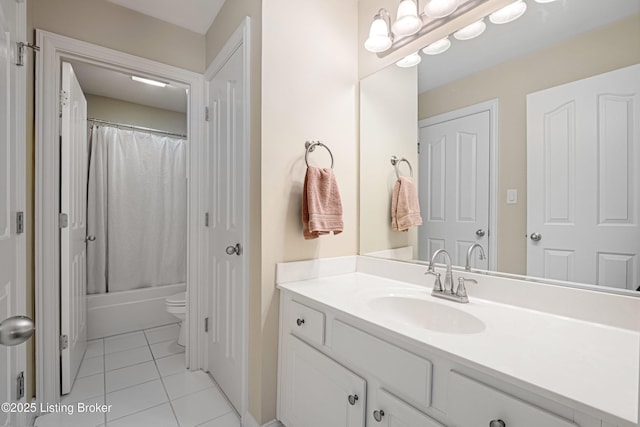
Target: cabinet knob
353, 398
497, 423
300, 322
377, 415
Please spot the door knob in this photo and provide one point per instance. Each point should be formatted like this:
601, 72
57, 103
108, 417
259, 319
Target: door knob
497, 423
536, 237
15, 330
377, 415
236, 249
90, 239
353, 398
480, 233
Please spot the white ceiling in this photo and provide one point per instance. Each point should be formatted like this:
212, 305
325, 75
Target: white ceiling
95, 80
542, 25
194, 15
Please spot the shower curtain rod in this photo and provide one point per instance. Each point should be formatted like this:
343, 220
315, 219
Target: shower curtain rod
90, 119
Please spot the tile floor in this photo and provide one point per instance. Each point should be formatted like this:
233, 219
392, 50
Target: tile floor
142, 376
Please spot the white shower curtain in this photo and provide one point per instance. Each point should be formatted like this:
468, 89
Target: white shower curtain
137, 210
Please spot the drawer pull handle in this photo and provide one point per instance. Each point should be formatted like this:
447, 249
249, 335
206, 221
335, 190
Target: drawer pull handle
497, 423
377, 415
300, 322
353, 398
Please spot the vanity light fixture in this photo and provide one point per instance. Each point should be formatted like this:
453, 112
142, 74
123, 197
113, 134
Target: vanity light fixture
509, 13
380, 38
149, 81
471, 31
438, 47
440, 8
409, 60
407, 21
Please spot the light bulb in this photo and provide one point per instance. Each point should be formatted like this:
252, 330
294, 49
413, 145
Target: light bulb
471, 31
379, 39
440, 8
409, 60
407, 22
437, 47
508, 13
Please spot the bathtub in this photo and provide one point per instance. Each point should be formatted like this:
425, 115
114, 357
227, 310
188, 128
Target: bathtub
127, 311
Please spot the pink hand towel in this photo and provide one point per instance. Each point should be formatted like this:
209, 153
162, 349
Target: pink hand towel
405, 206
321, 204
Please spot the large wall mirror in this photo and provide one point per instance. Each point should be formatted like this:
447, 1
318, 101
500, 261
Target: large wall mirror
525, 140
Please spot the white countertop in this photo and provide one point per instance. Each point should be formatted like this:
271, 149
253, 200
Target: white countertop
588, 363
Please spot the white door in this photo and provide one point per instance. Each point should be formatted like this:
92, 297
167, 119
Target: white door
454, 187
583, 192
228, 234
73, 248
319, 392
12, 196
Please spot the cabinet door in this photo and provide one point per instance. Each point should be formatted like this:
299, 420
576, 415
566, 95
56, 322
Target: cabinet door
319, 392
389, 411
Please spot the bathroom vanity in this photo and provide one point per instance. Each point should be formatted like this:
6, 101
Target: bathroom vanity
363, 343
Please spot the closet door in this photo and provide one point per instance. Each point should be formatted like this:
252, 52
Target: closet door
73, 208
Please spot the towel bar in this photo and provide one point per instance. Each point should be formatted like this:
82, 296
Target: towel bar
396, 163
311, 146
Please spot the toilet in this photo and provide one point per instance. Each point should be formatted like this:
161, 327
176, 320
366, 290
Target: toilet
176, 305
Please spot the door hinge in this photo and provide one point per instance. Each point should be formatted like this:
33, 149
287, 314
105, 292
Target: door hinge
64, 342
63, 220
21, 47
418, 147
206, 114
64, 98
19, 222
20, 386
206, 219
206, 324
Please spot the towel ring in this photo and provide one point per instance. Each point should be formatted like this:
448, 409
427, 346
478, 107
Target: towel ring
311, 146
396, 163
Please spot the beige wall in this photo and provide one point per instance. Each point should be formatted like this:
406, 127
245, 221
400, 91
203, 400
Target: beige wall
612, 47
388, 115
109, 25
227, 21
309, 92
117, 111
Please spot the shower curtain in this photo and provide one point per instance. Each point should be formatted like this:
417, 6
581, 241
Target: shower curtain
137, 210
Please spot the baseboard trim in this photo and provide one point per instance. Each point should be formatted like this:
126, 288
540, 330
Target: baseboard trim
249, 421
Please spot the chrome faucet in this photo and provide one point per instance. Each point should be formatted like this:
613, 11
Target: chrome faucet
447, 291
467, 266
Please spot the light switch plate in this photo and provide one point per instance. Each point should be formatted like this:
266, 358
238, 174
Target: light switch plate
512, 196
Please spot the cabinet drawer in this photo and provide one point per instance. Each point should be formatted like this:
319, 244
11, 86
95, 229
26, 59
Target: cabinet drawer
401, 372
393, 412
472, 404
306, 322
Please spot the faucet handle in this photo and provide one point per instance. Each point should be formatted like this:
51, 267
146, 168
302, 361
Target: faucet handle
437, 284
462, 291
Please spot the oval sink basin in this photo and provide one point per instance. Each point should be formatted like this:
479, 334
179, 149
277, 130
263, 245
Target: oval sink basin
426, 314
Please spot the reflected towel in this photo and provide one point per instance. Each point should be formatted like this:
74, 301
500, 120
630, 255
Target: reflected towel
321, 204
405, 206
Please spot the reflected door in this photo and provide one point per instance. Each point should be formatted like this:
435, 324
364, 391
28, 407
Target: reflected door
454, 187
73, 248
583, 163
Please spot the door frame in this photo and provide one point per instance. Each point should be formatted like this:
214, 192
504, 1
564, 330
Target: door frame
491, 107
240, 39
55, 48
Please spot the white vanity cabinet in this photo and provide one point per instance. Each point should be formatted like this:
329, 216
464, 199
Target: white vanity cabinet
318, 392
334, 371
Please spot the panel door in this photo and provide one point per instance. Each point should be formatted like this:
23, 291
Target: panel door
73, 248
583, 158
393, 412
317, 390
12, 198
228, 236
454, 187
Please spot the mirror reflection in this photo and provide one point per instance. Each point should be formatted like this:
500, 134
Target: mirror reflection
528, 145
